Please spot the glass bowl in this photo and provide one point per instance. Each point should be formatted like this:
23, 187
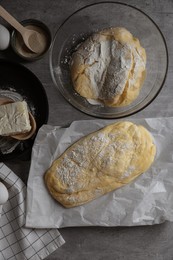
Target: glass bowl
92, 18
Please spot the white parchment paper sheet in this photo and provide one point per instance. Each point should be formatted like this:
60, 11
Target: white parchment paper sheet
146, 201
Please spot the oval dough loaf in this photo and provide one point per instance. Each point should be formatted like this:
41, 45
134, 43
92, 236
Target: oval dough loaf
109, 67
99, 163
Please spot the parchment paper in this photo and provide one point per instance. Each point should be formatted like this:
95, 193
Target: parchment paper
147, 200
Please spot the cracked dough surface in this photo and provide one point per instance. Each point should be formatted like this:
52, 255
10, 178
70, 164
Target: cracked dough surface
109, 66
99, 163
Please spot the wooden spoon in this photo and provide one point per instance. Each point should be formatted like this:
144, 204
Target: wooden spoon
30, 37
23, 136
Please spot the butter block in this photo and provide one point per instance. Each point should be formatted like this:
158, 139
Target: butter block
14, 118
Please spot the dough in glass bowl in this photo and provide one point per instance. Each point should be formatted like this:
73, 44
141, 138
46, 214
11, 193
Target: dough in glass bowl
109, 67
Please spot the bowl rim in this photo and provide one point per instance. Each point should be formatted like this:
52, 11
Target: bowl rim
102, 115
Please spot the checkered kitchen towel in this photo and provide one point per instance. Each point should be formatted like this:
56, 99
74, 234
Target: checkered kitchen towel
16, 241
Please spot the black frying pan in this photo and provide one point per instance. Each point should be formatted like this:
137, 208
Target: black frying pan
20, 83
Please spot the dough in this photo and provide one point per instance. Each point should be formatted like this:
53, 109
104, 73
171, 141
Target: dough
109, 67
99, 163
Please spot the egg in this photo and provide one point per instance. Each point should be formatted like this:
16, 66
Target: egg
4, 38
3, 194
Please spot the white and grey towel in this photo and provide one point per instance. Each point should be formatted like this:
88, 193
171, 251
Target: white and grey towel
16, 241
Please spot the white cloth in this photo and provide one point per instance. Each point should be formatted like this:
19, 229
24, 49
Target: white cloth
145, 201
16, 241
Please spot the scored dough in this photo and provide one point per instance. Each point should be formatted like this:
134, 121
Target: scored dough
99, 163
109, 66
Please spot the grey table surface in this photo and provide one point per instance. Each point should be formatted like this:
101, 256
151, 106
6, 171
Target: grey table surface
141, 243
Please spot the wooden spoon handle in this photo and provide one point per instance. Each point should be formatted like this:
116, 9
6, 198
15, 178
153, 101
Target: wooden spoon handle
11, 20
